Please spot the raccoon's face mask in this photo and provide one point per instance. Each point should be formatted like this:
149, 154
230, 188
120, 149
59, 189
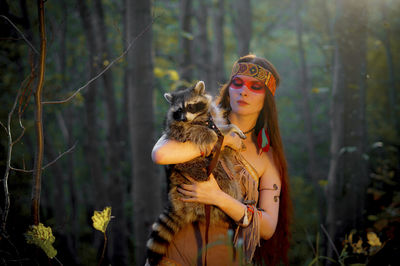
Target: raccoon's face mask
179, 115
188, 104
189, 111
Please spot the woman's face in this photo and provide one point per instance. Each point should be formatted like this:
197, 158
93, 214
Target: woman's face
247, 95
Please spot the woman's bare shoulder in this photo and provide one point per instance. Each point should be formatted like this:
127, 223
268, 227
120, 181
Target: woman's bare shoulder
270, 174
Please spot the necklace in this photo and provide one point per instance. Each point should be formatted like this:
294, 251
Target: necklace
250, 130
247, 132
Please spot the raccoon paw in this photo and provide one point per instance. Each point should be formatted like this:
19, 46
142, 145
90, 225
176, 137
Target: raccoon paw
237, 130
231, 128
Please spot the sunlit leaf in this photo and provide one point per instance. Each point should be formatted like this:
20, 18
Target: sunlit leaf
373, 239
173, 75
158, 72
357, 247
42, 237
101, 219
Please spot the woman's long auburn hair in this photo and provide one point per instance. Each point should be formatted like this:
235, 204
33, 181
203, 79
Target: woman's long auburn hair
275, 249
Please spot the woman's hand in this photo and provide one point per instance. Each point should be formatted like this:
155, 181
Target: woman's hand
234, 141
206, 192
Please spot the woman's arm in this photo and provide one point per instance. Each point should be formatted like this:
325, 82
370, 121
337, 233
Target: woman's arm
269, 197
167, 151
209, 192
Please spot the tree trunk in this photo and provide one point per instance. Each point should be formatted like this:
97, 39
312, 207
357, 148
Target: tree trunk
92, 144
146, 186
217, 61
202, 43
74, 200
185, 41
242, 25
67, 179
347, 179
91, 148
117, 246
392, 95
312, 171
304, 88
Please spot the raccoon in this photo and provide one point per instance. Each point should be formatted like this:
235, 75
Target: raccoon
189, 113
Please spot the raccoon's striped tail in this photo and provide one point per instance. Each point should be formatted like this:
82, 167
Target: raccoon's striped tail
163, 230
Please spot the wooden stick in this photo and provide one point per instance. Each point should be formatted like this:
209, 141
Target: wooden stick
39, 119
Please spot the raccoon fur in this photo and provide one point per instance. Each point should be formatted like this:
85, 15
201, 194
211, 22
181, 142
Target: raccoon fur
186, 121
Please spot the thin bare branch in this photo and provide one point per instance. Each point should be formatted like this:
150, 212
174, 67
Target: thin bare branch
3, 126
58, 261
309, 242
47, 165
20, 136
8, 163
20, 170
330, 240
20, 32
59, 156
27, 87
105, 69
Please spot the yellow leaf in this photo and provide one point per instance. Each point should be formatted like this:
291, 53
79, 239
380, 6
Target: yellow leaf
158, 72
173, 75
315, 90
42, 237
106, 62
357, 248
323, 182
351, 237
101, 219
373, 239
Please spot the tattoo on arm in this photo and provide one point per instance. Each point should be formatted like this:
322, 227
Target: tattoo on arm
275, 187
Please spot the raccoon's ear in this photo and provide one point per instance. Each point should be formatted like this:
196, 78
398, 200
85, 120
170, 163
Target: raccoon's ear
168, 97
200, 87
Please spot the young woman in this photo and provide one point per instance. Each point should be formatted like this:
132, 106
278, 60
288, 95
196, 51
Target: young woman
248, 102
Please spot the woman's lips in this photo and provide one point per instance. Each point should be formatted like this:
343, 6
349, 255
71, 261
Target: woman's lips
242, 103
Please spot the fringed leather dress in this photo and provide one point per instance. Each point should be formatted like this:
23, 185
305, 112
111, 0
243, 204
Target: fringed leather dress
228, 243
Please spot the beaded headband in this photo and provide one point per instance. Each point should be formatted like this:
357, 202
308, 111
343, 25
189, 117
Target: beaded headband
255, 71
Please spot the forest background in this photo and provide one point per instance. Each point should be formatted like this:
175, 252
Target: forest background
338, 106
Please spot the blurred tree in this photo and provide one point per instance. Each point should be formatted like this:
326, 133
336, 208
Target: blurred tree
93, 140
118, 239
242, 17
392, 90
304, 87
218, 46
145, 185
346, 187
185, 41
201, 43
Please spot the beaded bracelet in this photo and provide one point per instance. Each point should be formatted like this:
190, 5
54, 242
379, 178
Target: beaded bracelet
248, 215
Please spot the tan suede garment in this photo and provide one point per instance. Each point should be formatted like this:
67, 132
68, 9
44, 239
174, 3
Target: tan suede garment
228, 243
